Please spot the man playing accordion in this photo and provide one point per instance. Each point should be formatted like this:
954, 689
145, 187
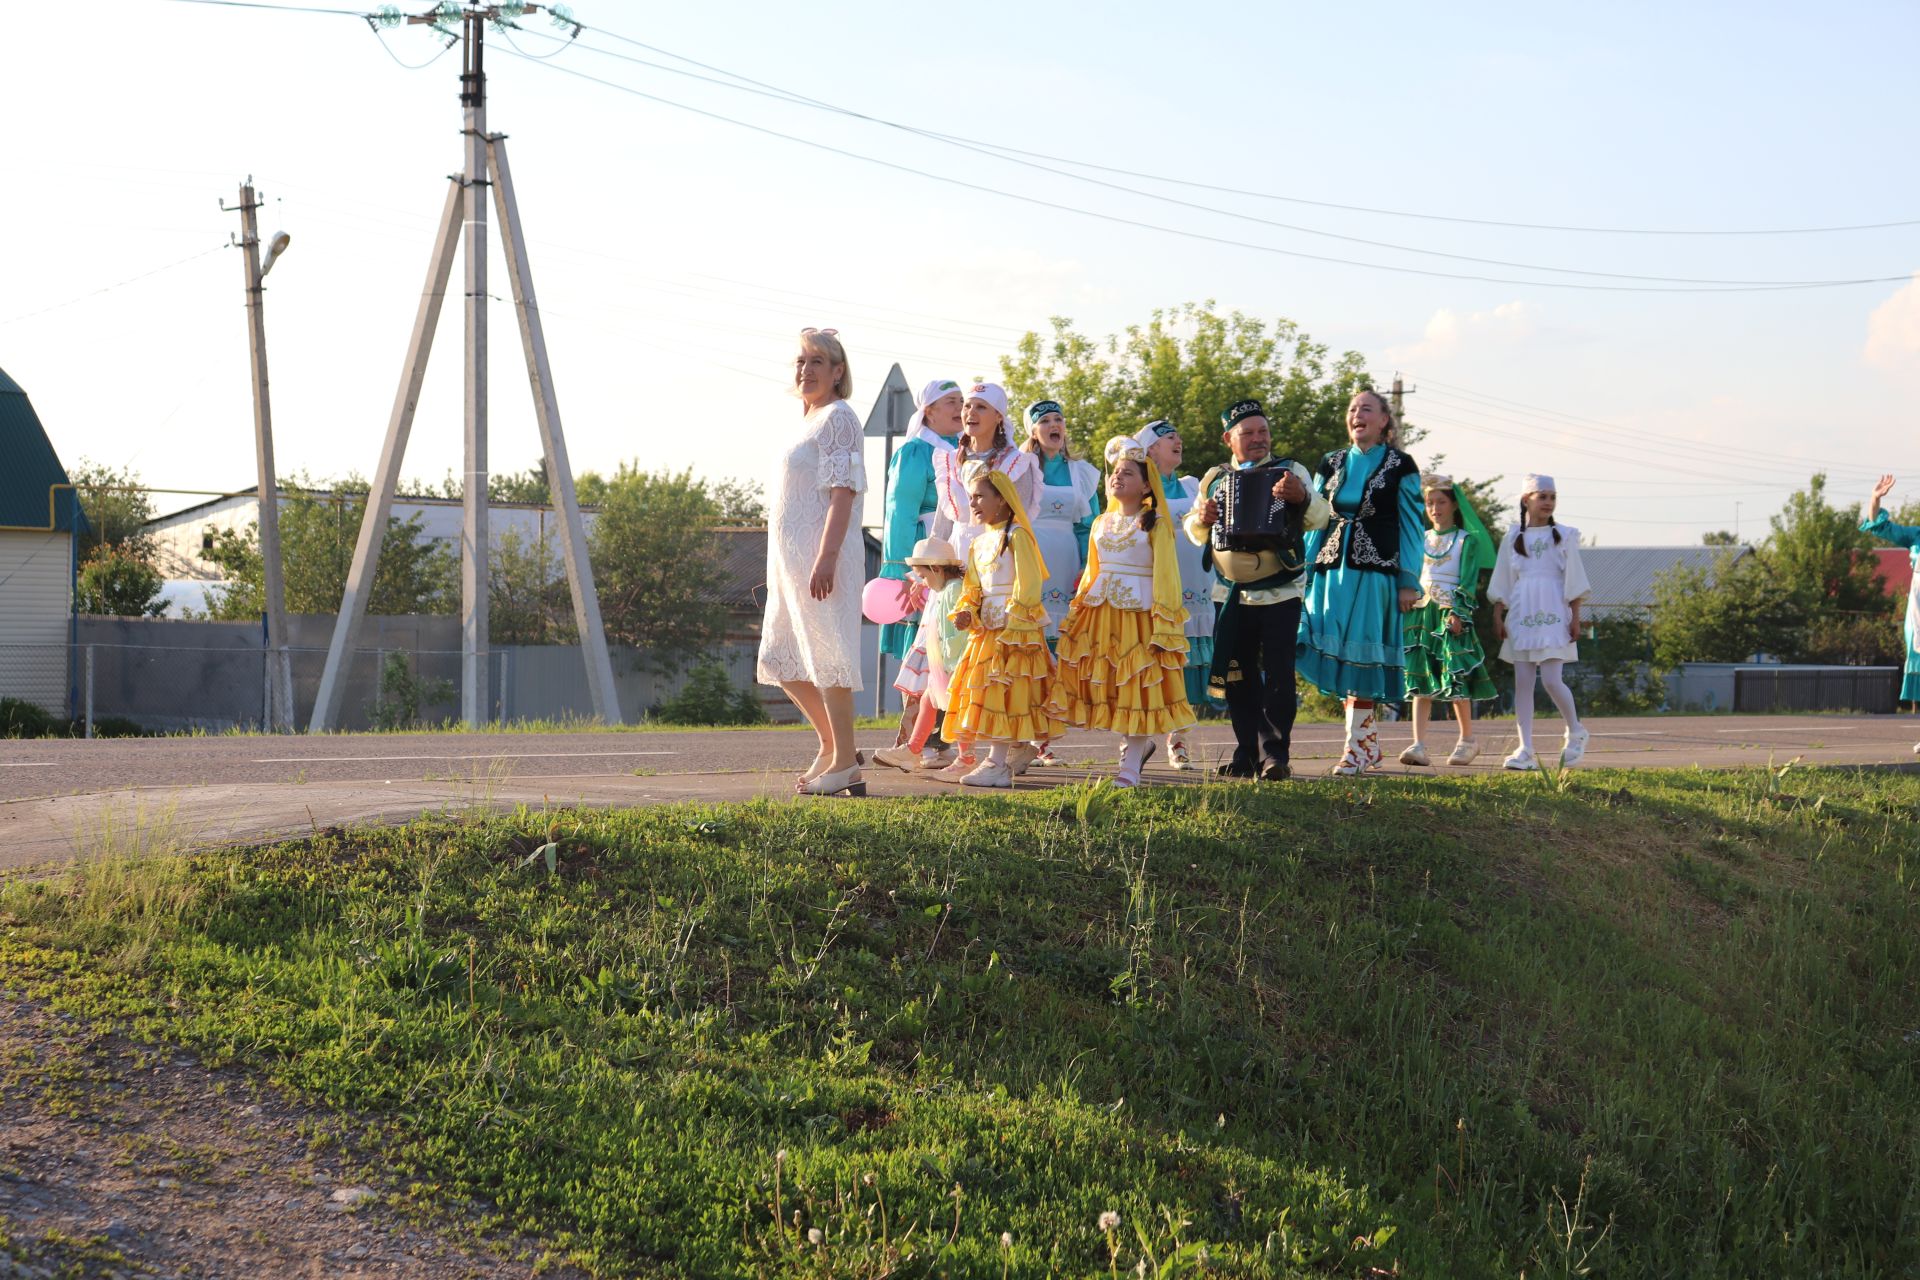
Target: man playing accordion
1256, 592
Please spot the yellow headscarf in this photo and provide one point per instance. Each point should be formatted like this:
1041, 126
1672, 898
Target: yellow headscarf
1170, 615
1003, 485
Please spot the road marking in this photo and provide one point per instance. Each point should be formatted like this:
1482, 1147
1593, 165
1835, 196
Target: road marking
1794, 729
26, 764
518, 755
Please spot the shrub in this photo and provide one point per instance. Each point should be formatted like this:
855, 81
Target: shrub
22, 719
709, 697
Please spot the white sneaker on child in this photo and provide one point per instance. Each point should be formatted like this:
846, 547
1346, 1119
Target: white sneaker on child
1522, 759
1416, 753
1576, 746
989, 774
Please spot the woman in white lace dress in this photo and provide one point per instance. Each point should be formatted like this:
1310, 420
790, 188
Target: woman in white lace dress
810, 639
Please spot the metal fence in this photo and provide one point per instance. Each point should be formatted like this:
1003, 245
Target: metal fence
216, 679
1871, 689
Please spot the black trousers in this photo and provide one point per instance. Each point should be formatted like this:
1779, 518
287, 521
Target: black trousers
1263, 702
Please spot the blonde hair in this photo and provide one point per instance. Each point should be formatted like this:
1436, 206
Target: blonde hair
824, 342
1386, 407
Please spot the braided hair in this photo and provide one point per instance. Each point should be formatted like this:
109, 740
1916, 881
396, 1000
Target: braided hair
1520, 534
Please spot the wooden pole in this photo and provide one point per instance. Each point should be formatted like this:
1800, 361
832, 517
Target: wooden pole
546, 408
279, 661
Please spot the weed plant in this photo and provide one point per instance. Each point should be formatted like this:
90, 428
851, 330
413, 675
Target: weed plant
1651, 1025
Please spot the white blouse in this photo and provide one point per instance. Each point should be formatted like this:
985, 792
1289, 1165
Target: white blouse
1125, 551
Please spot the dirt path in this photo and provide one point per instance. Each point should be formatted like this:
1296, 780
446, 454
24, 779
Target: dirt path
125, 1160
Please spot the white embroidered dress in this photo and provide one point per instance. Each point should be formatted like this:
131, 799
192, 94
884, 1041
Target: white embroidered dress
1061, 506
1196, 579
953, 517
1538, 590
802, 638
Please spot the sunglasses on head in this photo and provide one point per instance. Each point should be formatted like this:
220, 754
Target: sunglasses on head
809, 331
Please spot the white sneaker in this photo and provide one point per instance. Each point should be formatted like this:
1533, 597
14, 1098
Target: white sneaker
1464, 753
1576, 746
989, 774
1521, 759
1415, 754
903, 758
958, 769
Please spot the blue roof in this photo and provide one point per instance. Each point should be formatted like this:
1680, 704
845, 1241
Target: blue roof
34, 492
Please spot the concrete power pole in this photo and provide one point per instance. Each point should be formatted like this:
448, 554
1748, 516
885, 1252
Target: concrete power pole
484, 165
475, 687
279, 660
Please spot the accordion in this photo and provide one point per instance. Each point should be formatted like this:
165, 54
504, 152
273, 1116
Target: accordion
1251, 517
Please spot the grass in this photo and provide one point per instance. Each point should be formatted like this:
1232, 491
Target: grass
1635, 1025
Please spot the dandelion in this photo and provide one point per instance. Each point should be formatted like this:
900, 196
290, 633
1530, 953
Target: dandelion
816, 1236
1140, 1269
867, 1178
780, 1156
1109, 1221
1006, 1239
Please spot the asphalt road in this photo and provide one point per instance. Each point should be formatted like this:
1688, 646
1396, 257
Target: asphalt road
54, 767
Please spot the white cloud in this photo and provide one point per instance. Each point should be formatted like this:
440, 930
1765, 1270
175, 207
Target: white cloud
1893, 330
1448, 332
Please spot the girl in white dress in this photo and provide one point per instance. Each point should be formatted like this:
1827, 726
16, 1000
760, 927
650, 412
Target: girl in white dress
1537, 589
810, 637
1062, 520
983, 439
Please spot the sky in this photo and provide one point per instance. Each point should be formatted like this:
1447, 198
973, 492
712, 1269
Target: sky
675, 254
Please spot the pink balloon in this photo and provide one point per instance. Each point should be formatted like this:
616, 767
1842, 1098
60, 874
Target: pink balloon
880, 601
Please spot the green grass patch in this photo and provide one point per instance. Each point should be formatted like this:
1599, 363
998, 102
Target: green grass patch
1617, 1025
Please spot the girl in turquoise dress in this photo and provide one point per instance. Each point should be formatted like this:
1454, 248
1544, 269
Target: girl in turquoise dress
1365, 574
1880, 526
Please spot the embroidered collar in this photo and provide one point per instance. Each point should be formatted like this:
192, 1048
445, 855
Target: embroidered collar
939, 442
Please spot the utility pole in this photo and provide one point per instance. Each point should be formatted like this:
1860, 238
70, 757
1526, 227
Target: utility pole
474, 701
279, 661
1398, 400
484, 165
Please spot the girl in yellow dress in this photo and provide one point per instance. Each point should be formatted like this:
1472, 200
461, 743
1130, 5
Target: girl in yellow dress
1123, 647
998, 694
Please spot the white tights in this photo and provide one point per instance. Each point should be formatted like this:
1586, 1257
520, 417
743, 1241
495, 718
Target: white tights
1549, 673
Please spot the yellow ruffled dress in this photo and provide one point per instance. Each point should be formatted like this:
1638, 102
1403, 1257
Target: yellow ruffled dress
999, 690
1123, 647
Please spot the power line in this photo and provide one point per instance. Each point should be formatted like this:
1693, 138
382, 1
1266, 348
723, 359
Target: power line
1011, 156
91, 293
1261, 195
277, 8
1185, 233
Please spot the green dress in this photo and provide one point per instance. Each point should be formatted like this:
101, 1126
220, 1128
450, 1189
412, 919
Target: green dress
1441, 664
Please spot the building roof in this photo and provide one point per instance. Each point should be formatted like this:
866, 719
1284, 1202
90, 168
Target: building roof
1896, 569
1622, 577
34, 491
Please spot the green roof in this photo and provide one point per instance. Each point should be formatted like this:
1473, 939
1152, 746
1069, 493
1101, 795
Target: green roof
32, 483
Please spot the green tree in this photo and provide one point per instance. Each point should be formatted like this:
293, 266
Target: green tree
318, 528
529, 601
1820, 554
116, 506
1614, 670
118, 582
1186, 365
657, 565
1719, 538
1726, 613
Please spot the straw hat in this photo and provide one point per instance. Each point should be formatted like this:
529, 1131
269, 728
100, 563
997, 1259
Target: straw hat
933, 552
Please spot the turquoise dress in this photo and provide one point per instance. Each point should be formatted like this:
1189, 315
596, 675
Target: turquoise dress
1908, 536
911, 497
1352, 635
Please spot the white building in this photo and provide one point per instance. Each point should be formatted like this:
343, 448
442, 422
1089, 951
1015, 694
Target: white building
39, 520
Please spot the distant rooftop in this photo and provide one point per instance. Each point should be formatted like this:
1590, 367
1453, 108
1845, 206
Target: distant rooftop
1623, 577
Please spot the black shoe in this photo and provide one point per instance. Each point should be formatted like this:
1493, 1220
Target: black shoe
1275, 771
1235, 769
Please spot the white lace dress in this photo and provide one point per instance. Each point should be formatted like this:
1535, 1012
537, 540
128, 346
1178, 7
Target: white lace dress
803, 638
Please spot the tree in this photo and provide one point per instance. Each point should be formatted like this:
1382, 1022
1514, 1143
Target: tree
1186, 365
1728, 613
742, 502
1719, 538
118, 582
318, 528
657, 565
116, 506
1821, 555
1614, 674
529, 601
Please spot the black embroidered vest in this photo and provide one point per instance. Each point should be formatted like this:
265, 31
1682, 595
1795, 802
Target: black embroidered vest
1370, 539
